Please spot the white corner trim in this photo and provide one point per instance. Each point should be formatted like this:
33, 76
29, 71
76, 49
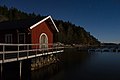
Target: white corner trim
43, 21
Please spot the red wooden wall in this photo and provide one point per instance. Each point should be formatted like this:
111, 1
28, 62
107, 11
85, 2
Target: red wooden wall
38, 30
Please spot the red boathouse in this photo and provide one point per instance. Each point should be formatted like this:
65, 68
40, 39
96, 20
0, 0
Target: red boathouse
31, 31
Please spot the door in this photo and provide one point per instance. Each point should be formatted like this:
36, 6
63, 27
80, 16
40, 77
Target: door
43, 41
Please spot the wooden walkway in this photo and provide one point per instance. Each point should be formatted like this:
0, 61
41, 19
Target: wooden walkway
17, 52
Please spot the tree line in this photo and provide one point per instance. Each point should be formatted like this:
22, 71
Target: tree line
14, 14
72, 34
68, 33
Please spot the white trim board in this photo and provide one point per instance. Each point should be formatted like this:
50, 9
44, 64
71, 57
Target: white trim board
49, 17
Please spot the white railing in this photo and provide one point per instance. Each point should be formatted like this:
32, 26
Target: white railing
14, 52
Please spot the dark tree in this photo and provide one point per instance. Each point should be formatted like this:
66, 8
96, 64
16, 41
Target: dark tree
68, 33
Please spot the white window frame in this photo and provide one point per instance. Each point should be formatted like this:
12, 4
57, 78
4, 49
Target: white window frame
8, 38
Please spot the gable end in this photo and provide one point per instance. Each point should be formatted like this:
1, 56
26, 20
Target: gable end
49, 17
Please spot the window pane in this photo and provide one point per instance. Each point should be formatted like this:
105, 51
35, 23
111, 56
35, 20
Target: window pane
8, 38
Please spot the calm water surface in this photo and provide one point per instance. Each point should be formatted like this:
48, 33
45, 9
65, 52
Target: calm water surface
74, 65
98, 66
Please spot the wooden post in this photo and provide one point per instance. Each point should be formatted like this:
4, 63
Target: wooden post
1, 70
36, 51
56, 48
27, 51
3, 53
18, 52
20, 69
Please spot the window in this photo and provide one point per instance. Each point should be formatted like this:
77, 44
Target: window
8, 38
21, 38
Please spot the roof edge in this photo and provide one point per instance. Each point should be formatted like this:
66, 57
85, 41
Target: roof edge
33, 26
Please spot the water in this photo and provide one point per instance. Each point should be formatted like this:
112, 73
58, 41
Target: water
75, 65
96, 66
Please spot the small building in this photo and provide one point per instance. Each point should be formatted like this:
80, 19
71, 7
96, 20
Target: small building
30, 31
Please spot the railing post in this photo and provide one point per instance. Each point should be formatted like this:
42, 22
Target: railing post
1, 70
27, 51
36, 50
3, 53
56, 48
52, 48
20, 69
18, 52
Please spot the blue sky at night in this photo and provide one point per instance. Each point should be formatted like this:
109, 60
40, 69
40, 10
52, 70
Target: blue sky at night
99, 17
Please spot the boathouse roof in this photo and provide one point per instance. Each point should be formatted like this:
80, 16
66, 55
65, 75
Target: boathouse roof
28, 23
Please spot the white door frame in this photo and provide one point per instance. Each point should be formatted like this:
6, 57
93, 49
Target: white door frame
40, 41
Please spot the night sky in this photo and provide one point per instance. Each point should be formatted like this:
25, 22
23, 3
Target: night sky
99, 17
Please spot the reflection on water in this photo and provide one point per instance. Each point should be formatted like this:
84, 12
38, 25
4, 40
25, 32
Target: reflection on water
99, 66
75, 65
46, 72
69, 60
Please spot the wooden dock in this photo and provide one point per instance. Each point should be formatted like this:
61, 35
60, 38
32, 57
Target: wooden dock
20, 52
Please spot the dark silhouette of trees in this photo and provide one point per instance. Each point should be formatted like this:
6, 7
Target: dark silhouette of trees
68, 33
72, 34
15, 14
